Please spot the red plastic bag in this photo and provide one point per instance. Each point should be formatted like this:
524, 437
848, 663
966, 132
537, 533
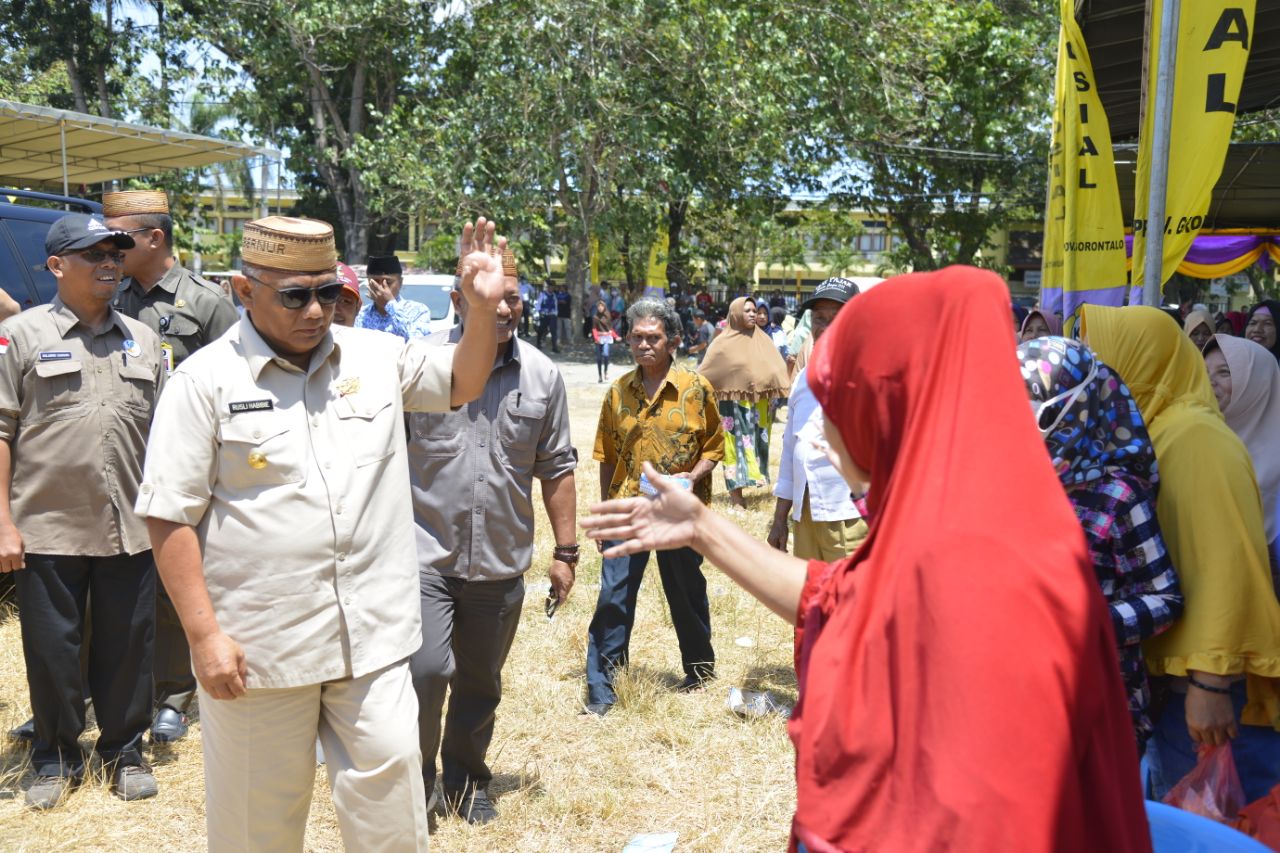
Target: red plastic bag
1212, 789
1261, 819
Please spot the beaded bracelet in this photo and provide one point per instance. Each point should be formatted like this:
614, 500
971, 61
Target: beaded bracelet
1221, 691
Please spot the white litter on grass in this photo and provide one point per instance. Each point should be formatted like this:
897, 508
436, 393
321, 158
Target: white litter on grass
745, 642
754, 704
652, 842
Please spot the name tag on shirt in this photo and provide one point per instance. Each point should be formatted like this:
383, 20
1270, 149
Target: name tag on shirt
54, 356
252, 406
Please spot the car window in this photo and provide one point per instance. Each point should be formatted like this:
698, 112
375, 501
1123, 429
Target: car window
12, 279
434, 296
29, 236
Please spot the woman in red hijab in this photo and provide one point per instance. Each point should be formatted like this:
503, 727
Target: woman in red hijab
958, 678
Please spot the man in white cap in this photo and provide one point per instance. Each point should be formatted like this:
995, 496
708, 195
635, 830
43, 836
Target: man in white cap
276, 492
187, 312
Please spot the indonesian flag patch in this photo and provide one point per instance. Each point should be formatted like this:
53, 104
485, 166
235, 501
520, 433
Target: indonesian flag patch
4, 345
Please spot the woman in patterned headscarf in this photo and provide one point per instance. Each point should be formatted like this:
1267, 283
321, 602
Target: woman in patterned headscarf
1103, 455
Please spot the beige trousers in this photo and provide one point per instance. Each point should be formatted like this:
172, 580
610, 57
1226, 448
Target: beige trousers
826, 540
260, 764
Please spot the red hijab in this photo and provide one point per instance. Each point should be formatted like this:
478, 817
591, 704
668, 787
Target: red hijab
959, 687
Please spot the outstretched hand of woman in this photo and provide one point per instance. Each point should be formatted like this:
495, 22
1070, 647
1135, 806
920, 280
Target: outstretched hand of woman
677, 519
647, 524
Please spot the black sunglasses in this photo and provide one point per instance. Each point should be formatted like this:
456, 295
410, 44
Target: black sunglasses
297, 298
97, 256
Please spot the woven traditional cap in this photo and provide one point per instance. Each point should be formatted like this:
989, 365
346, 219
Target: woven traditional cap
135, 202
288, 243
509, 268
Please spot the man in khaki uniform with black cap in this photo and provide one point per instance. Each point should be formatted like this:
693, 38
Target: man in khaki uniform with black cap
276, 492
78, 382
187, 312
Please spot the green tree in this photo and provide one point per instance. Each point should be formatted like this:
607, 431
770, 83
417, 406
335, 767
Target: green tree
951, 146
318, 77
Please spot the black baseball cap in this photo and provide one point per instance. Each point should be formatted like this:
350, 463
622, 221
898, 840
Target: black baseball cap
836, 289
77, 231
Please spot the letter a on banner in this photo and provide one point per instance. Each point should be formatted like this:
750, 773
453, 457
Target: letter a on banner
1084, 250
1214, 39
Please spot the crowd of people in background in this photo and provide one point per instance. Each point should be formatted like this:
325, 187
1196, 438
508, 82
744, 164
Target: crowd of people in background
1016, 563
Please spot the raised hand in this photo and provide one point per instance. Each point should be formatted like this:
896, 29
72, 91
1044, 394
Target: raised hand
481, 265
646, 524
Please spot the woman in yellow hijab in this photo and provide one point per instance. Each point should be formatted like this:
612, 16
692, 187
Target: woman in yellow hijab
1211, 513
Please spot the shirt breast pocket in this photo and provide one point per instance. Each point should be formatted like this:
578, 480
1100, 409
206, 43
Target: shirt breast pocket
178, 325
369, 428
59, 385
139, 384
439, 434
259, 453
519, 429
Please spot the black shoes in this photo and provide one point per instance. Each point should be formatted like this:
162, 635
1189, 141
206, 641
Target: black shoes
168, 726
472, 805
597, 708
25, 732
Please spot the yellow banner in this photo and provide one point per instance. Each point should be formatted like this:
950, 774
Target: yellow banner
1214, 38
1084, 255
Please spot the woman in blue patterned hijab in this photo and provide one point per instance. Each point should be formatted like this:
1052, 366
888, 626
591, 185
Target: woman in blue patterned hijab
1104, 457
1087, 415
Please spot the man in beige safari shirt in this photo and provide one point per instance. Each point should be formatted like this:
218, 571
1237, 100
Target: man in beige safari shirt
276, 492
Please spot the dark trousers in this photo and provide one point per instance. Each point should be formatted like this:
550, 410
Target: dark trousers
467, 631
53, 593
609, 636
547, 326
1256, 749
175, 685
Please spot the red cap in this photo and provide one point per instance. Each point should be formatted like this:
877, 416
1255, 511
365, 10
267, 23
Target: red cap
350, 281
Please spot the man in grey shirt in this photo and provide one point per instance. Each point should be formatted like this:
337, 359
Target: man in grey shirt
472, 473
698, 349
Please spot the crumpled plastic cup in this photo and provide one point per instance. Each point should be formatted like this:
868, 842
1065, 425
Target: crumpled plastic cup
753, 704
652, 842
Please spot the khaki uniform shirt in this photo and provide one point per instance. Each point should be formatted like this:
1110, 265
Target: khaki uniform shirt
75, 407
674, 431
298, 487
186, 311
472, 470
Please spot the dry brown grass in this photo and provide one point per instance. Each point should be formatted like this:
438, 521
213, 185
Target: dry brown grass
659, 762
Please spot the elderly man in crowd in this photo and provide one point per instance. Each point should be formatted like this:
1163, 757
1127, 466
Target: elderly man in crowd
809, 490
386, 311
472, 473
667, 415
78, 383
277, 497
187, 312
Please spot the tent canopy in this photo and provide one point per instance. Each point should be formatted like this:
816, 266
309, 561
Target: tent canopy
1245, 196
36, 142
1115, 31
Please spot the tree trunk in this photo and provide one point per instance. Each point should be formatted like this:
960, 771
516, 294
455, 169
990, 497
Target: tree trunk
100, 67
164, 65
577, 269
677, 267
77, 85
628, 263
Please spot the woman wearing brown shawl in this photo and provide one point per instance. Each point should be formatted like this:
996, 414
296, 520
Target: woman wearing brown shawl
747, 373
